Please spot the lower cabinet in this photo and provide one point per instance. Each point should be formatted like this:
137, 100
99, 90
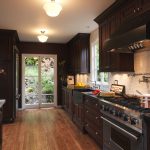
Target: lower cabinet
84, 110
92, 119
78, 116
67, 100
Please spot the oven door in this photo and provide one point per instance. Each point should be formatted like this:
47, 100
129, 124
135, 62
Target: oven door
116, 137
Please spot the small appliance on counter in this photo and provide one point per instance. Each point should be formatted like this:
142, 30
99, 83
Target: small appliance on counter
70, 80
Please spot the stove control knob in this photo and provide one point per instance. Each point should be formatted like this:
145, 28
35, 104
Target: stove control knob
103, 107
134, 121
126, 117
107, 108
111, 111
117, 113
114, 112
120, 114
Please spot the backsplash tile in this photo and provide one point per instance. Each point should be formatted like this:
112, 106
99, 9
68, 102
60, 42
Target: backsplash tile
131, 83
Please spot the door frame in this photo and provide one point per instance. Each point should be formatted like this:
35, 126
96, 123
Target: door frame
55, 79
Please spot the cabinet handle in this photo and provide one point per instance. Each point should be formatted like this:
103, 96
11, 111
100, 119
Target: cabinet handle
96, 133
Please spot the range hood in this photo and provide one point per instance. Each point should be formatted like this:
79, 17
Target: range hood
129, 41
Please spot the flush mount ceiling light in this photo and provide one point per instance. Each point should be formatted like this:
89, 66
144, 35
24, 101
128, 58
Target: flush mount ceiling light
42, 38
52, 8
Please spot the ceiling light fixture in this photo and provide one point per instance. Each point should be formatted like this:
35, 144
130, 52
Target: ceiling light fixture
42, 38
52, 8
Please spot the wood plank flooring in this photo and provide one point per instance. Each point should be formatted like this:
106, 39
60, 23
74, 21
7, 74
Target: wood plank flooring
45, 129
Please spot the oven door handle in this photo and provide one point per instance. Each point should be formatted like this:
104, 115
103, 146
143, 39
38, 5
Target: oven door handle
130, 134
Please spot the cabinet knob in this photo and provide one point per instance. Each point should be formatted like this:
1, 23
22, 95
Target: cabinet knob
138, 9
87, 111
96, 117
96, 133
134, 10
96, 104
87, 125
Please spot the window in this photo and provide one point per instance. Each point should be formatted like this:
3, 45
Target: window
99, 77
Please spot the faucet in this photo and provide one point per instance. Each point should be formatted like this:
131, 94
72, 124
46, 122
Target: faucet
144, 79
95, 85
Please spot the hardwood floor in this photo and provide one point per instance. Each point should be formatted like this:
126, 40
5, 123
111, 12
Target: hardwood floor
45, 129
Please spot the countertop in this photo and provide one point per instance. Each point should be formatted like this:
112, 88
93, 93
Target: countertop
2, 101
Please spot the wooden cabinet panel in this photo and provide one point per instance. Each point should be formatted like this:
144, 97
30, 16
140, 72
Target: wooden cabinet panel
5, 49
130, 9
145, 5
8, 52
94, 133
67, 100
79, 54
92, 119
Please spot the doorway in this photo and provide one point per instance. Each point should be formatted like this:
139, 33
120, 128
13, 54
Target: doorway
39, 81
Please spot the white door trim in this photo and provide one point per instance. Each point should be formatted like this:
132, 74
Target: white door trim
55, 77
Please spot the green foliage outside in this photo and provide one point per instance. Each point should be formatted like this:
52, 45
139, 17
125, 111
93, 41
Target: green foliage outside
47, 86
47, 77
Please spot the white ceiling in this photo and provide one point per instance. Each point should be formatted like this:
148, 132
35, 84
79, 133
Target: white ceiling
28, 18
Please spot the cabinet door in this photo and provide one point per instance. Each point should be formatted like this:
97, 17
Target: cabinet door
64, 97
5, 48
145, 5
70, 101
6, 91
130, 9
84, 56
115, 21
105, 32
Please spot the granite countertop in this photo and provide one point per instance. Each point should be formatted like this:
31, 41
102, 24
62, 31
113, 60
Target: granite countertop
2, 101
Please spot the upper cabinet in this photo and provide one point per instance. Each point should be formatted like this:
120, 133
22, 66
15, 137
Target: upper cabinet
145, 5
79, 54
122, 16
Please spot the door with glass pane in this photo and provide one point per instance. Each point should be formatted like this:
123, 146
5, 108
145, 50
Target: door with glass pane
39, 81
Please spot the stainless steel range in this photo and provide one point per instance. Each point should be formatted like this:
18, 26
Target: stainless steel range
122, 123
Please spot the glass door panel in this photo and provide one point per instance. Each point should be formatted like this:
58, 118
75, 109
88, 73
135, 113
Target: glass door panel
31, 81
47, 80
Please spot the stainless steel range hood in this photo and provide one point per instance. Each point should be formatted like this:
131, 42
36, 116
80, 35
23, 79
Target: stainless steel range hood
129, 41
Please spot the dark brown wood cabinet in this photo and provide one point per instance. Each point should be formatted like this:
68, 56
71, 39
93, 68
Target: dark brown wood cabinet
78, 115
67, 100
8, 91
79, 54
130, 10
92, 119
118, 19
145, 5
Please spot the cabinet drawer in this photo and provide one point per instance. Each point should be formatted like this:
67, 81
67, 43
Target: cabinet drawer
94, 133
93, 116
92, 103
